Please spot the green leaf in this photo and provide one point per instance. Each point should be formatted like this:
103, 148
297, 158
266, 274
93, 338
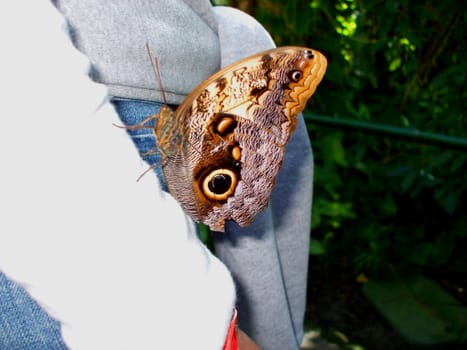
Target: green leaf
316, 248
408, 180
333, 149
395, 64
433, 253
420, 310
388, 206
448, 199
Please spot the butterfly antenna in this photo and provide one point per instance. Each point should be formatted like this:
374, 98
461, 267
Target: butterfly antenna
157, 72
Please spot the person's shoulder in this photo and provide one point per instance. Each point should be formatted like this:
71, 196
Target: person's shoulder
204, 10
240, 34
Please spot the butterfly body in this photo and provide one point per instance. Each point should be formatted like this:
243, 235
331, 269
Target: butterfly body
223, 147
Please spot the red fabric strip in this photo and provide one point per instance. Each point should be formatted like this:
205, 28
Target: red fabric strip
231, 342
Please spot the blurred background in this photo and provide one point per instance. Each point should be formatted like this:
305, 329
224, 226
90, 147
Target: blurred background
388, 255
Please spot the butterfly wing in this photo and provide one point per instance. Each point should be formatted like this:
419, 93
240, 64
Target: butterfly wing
229, 135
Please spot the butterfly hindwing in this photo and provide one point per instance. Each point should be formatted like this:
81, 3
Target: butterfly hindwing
226, 141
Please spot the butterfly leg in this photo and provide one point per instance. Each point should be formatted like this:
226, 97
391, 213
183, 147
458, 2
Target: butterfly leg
140, 125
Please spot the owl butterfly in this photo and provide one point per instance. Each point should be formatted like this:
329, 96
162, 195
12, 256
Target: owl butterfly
222, 148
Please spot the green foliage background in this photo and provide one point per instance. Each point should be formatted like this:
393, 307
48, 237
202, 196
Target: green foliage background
382, 202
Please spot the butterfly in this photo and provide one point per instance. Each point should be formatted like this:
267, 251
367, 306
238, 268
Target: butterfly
222, 148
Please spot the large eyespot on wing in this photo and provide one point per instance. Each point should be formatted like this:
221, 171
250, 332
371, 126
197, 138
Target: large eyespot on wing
218, 173
215, 177
219, 184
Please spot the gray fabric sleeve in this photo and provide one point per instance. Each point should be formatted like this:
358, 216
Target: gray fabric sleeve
113, 35
240, 35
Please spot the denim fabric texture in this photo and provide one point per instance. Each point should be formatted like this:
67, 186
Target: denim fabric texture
24, 325
131, 112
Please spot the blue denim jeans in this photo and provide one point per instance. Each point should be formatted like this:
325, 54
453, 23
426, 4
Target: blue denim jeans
24, 325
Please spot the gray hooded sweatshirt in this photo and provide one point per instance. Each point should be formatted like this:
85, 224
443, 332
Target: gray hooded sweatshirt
192, 39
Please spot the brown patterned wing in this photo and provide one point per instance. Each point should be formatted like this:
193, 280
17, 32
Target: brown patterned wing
226, 144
